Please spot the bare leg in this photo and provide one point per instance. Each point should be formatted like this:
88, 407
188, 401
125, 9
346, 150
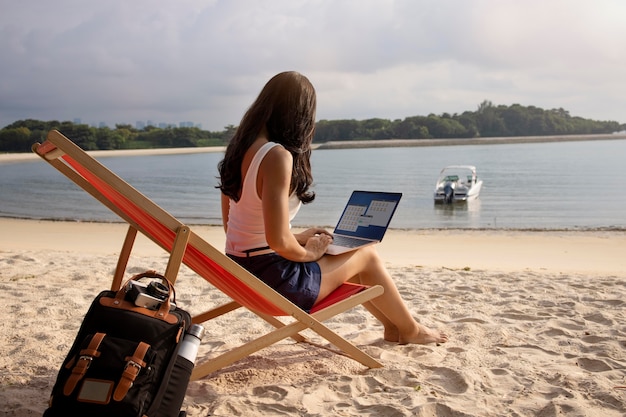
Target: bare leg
366, 267
391, 331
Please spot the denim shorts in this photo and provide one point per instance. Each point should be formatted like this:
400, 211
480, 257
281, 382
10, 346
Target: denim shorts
299, 282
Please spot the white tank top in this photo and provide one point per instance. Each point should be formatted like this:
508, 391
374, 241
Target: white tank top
245, 228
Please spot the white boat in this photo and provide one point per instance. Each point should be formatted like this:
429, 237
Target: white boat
457, 183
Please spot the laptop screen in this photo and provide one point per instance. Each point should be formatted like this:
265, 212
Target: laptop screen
367, 214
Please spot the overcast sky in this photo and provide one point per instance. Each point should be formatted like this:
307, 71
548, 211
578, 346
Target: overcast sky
122, 61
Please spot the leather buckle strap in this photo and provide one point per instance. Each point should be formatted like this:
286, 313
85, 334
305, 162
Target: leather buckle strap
82, 364
134, 365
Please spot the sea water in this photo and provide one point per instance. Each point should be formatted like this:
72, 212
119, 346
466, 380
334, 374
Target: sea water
554, 185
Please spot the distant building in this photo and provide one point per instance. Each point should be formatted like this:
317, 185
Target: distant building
141, 125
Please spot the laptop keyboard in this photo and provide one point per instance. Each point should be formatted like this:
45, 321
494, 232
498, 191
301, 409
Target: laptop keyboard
347, 241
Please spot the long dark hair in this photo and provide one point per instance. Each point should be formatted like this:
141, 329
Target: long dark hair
286, 108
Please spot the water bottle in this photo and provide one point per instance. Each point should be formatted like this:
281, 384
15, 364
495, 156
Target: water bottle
181, 372
189, 346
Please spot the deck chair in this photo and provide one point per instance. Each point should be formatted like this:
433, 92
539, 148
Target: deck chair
186, 247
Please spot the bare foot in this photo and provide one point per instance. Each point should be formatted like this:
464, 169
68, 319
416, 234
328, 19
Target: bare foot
424, 335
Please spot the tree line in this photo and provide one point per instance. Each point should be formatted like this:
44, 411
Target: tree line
487, 120
19, 136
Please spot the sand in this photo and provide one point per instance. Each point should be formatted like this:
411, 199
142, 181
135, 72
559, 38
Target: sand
537, 324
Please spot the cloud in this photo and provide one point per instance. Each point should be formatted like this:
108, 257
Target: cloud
205, 61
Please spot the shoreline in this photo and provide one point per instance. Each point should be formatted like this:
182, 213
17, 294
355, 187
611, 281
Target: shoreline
386, 143
590, 229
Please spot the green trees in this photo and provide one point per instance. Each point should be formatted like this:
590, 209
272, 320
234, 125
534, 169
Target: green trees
19, 136
15, 139
488, 120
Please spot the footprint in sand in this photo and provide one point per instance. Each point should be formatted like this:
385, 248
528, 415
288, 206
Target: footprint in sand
273, 392
448, 379
19, 257
593, 365
436, 409
600, 319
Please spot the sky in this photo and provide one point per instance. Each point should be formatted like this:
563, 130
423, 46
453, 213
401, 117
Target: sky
205, 61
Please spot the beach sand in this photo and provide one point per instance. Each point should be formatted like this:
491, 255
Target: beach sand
537, 323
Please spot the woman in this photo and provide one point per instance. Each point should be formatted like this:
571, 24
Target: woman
264, 177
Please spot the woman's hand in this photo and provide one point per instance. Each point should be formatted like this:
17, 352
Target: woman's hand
317, 244
303, 237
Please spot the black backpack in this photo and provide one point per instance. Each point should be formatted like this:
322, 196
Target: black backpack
124, 359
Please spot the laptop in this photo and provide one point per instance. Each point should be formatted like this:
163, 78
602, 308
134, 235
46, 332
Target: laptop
364, 220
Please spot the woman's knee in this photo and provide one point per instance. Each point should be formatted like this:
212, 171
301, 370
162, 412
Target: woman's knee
369, 254
350, 264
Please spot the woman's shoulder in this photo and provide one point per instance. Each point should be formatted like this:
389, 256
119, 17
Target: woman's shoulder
277, 160
278, 152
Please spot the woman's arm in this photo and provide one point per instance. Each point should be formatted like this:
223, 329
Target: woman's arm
274, 179
225, 207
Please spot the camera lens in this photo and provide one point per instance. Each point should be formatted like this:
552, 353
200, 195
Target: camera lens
158, 290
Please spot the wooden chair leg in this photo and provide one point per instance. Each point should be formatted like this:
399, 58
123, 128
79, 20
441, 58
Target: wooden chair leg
177, 253
122, 261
